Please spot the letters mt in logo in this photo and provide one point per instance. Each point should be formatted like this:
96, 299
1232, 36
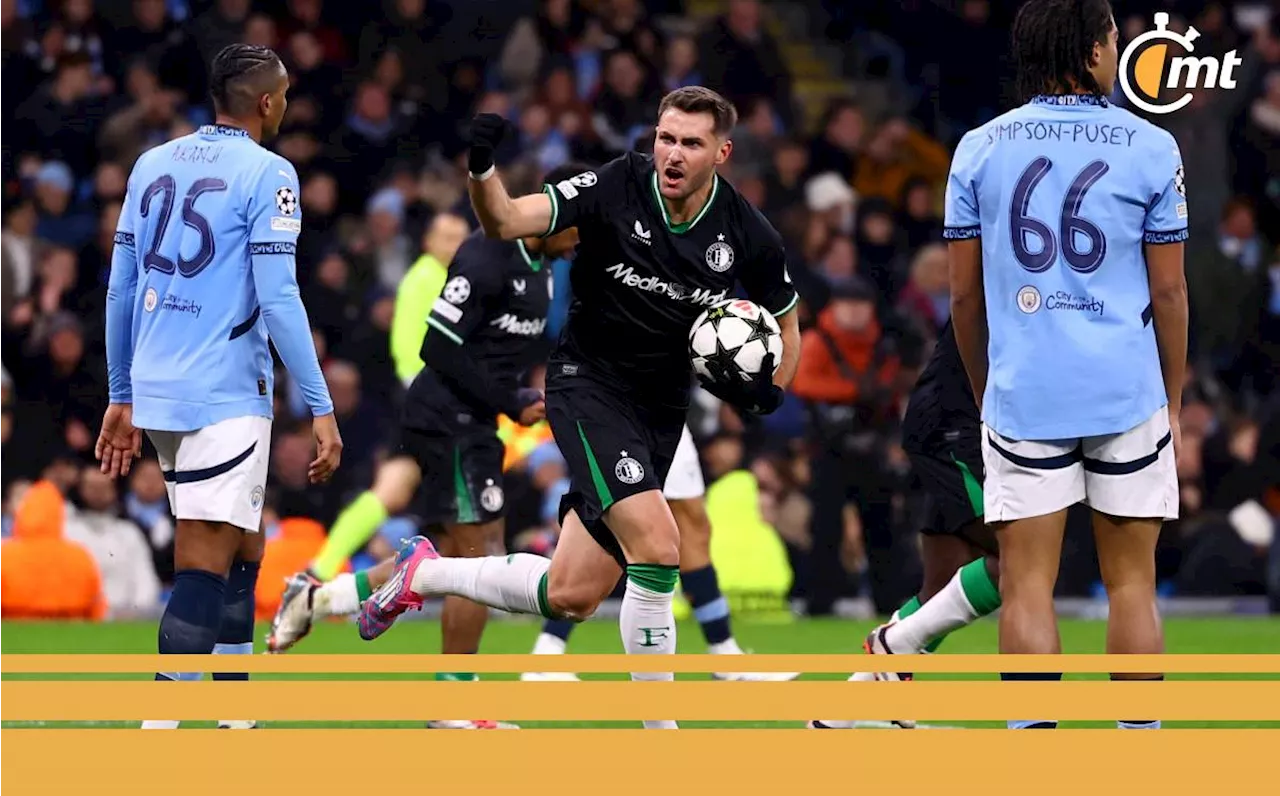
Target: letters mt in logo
1147, 66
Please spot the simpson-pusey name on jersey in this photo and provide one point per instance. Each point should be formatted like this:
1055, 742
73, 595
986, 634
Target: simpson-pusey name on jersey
1064, 132
626, 274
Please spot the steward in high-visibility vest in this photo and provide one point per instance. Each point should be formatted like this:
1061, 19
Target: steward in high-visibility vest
519, 441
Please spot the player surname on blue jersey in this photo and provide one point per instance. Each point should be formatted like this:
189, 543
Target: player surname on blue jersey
1064, 192
202, 271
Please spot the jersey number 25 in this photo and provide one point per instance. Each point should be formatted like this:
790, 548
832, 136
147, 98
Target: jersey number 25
1070, 222
168, 189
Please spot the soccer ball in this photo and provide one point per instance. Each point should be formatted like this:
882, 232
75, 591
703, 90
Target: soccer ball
735, 334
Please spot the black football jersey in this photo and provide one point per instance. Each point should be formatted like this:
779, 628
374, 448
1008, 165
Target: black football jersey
941, 407
494, 302
639, 281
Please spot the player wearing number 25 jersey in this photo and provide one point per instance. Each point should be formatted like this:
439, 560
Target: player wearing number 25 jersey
1066, 219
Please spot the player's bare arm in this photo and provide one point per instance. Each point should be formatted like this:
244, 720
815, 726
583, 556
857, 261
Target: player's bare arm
1169, 313
969, 310
500, 215
790, 326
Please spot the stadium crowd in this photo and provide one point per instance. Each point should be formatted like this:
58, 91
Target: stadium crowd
380, 98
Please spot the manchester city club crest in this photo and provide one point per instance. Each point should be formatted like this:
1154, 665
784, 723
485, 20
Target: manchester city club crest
719, 255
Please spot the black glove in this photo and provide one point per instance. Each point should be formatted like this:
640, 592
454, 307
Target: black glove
524, 397
487, 132
759, 396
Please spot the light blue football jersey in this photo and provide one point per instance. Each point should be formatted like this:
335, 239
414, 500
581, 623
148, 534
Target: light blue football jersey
202, 272
1064, 192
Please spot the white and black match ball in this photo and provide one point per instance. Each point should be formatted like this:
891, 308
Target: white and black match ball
736, 334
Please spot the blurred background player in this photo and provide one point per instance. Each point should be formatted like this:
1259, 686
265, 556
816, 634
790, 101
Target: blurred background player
685, 492
619, 380
486, 328
187, 327
1071, 247
940, 434
397, 478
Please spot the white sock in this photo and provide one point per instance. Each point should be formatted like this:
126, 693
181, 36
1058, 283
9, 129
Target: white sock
160, 724
548, 644
514, 583
166, 724
338, 597
647, 623
945, 611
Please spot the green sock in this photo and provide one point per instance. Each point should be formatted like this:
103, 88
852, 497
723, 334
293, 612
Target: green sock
456, 677
357, 523
979, 590
363, 589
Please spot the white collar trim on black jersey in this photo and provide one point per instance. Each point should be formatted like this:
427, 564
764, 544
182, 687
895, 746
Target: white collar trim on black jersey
680, 229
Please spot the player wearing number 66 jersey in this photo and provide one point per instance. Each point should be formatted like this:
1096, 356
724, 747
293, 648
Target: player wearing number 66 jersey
1066, 219
201, 274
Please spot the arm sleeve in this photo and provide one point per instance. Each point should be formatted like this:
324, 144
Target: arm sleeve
474, 282
961, 219
766, 279
121, 288
585, 195
1166, 220
275, 219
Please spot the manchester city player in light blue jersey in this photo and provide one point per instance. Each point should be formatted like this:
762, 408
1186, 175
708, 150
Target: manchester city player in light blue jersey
1066, 219
202, 273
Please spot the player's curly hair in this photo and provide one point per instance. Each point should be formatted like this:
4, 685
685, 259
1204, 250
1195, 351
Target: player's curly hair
1053, 44
235, 71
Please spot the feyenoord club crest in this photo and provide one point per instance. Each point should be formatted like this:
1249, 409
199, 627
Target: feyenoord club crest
628, 470
719, 255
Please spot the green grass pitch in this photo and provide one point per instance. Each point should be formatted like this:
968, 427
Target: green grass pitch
1232, 635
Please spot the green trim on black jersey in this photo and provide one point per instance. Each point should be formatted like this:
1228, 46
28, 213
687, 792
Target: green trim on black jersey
597, 477
442, 329
466, 513
534, 263
555, 209
680, 229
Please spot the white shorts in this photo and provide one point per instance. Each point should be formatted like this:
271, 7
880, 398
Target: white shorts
684, 479
217, 473
1131, 474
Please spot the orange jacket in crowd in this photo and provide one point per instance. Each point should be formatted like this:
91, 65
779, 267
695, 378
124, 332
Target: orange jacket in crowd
820, 378
291, 550
918, 156
42, 575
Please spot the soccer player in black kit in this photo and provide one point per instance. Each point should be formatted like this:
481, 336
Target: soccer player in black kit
663, 237
941, 437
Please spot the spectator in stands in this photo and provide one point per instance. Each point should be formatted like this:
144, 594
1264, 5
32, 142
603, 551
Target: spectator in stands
754, 140
880, 254
917, 215
358, 424
625, 106
154, 37
897, 153
61, 119
544, 144
147, 505
260, 31
837, 147
848, 374
680, 68
744, 61
221, 25
147, 122
784, 179
407, 28
313, 82
367, 141
927, 297
1219, 281
123, 556
552, 32
37, 555
307, 16
319, 221
389, 247
61, 222
20, 246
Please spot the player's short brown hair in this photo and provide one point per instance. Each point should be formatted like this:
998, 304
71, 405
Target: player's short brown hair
697, 99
